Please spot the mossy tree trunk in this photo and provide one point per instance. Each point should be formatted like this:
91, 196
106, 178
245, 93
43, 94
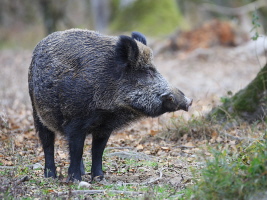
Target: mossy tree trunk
249, 104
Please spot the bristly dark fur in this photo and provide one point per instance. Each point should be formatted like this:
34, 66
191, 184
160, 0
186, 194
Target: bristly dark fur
82, 82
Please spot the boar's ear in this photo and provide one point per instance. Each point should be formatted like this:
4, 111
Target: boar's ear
126, 52
139, 37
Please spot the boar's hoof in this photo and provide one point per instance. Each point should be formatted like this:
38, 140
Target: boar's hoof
99, 179
50, 173
71, 179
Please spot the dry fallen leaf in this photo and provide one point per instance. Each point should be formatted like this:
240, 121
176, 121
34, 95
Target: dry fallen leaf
153, 132
6, 162
189, 144
232, 142
19, 140
176, 180
140, 147
190, 159
62, 154
165, 148
147, 152
219, 139
187, 150
214, 135
207, 154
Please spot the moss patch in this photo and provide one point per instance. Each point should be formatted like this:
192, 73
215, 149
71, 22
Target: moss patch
151, 17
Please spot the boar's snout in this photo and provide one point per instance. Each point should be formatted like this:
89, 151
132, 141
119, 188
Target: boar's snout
188, 103
175, 101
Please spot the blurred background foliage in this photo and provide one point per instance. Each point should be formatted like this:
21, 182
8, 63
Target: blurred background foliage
24, 23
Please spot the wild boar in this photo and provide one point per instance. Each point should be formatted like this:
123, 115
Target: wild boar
82, 82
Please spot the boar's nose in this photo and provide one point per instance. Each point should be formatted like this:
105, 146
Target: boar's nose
188, 103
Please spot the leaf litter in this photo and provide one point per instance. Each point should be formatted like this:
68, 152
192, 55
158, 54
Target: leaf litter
152, 152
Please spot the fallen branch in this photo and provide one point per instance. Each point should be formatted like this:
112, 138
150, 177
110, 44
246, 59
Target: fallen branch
8, 167
109, 148
15, 167
80, 192
21, 180
132, 155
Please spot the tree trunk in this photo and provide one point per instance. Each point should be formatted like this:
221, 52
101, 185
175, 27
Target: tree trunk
249, 104
53, 12
100, 10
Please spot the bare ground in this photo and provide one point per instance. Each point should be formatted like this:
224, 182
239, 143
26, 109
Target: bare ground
204, 75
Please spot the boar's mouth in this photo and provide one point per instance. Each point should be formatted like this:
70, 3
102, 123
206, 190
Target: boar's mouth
172, 102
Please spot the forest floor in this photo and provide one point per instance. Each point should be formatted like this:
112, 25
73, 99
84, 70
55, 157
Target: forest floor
153, 157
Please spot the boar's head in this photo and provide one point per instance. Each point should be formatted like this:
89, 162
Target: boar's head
145, 90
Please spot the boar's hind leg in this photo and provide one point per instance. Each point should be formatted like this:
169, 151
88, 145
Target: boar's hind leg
98, 145
47, 138
76, 136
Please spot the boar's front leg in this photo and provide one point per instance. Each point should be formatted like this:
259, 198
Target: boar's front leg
47, 138
76, 137
98, 145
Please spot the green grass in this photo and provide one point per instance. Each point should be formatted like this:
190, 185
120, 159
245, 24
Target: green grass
38, 186
232, 176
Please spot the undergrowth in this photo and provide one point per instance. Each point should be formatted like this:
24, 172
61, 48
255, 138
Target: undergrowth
241, 175
232, 171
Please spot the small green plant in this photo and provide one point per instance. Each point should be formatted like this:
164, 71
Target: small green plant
161, 192
256, 25
227, 98
224, 99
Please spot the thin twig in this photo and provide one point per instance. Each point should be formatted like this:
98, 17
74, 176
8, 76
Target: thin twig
172, 170
188, 147
150, 180
78, 192
238, 138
